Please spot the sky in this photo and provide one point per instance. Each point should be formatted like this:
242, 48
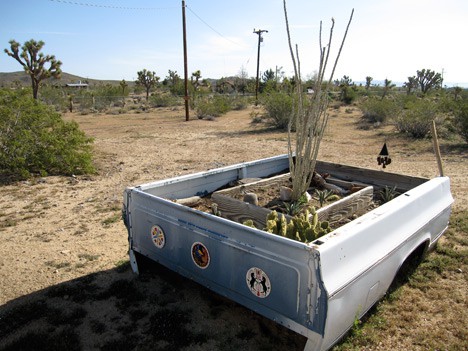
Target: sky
114, 39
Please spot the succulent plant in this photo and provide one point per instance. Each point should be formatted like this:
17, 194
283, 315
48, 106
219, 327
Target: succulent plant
249, 223
304, 227
326, 195
387, 194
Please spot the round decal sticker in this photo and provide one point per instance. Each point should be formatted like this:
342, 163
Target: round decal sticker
200, 255
158, 237
258, 282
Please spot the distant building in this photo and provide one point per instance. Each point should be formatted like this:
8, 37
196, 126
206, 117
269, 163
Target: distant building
77, 85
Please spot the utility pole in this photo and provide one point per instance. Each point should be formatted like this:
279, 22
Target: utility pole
186, 97
260, 39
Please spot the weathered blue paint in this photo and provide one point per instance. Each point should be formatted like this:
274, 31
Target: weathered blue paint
316, 289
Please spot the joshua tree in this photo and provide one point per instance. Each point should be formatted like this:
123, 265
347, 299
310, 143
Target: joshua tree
147, 79
174, 82
34, 62
123, 86
172, 78
457, 92
388, 85
369, 80
428, 80
197, 76
268, 75
346, 87
410, 85
310, 119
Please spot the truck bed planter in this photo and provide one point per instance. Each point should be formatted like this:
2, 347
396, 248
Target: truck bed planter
315, 289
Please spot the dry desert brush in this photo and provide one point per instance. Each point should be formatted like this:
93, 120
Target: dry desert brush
309, 120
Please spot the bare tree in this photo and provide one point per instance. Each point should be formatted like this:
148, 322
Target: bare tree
34, 61
241, 80
147, 79
310, 120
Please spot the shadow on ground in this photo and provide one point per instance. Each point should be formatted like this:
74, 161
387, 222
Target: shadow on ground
118, 310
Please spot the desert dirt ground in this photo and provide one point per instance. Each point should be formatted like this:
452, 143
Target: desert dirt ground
64, 264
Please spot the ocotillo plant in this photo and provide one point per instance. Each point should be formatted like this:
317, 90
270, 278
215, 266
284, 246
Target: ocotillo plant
309, 121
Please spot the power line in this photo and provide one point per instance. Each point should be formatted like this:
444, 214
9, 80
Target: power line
85, 4
214, 30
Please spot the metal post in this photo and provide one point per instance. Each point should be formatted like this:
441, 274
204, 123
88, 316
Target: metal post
186, 97
260, 39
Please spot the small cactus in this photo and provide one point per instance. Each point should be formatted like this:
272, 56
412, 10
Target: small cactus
304, 227
249, 223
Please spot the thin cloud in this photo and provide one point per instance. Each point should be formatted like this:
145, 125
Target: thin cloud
218, 46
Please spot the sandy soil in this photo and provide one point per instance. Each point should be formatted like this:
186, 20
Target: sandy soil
60, 229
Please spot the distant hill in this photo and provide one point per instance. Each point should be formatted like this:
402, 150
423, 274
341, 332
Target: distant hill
8, 78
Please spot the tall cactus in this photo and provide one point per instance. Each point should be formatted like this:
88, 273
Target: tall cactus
309, 120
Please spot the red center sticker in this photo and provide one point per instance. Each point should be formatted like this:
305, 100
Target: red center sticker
258, 282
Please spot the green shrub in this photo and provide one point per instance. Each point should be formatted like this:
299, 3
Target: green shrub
239, 103
348, 95
34, 139
446, 104
84, 101
53, 95
222, 103
417, 118
406, 100
461, 119
164, 100
278, 107
216, 105
99, 98
377, 110
204, 107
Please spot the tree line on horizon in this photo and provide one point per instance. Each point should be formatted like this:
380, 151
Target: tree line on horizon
34, 64
421, 100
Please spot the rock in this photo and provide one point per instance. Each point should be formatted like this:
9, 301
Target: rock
251, 198
285, 193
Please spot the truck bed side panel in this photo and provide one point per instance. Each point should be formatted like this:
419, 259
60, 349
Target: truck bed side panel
289, 267
360, 260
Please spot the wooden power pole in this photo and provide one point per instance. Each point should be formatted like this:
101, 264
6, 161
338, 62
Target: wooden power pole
186, 97
260, 39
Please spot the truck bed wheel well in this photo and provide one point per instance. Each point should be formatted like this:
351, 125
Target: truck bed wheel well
408, 266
